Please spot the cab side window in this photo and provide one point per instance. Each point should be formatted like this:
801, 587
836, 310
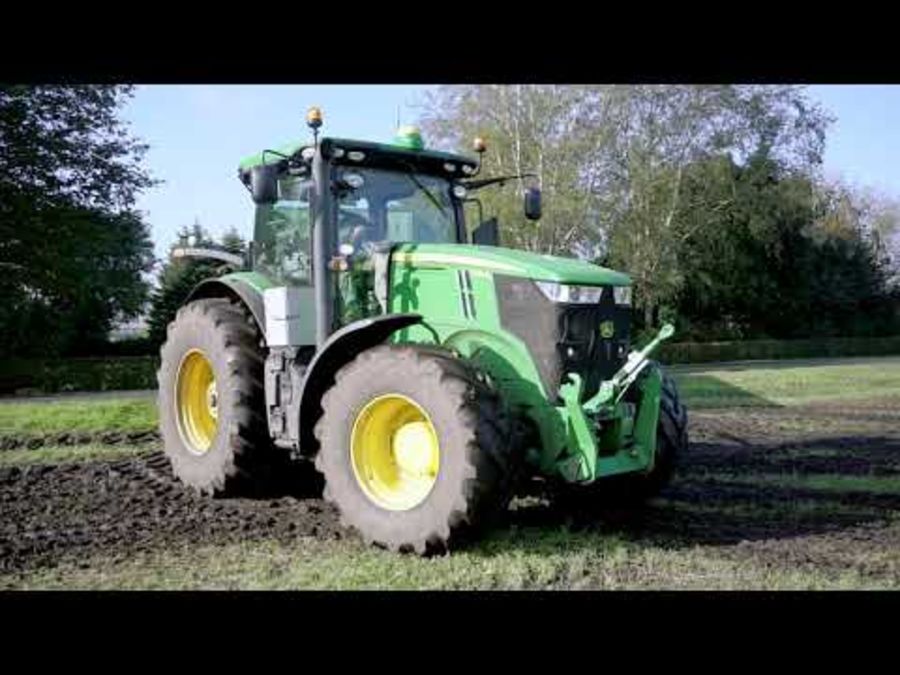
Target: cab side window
283, 233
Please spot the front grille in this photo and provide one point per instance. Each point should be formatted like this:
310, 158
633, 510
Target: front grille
564, 338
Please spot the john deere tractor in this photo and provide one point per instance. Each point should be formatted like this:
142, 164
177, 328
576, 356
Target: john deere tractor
425, 370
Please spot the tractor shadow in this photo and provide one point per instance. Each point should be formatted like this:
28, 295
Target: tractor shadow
725, 495
706, 391
298, 480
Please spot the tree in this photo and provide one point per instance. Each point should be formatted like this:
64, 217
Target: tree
857, 229
529, 128
179, 276
659, 132
611, 161
786, 256
72, 248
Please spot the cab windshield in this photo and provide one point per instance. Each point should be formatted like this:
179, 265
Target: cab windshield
377, 205
373, 205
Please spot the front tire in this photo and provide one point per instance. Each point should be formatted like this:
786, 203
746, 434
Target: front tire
416, 449
633, 490
211, 400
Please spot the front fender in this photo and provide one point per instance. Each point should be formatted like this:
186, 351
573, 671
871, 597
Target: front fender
341, 348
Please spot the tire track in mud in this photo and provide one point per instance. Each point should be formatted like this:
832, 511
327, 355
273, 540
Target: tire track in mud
114, 509
33, 442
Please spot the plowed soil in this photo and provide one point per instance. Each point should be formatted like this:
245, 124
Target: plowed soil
741, 488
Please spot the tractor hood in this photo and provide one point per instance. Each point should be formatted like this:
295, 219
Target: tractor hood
510, 262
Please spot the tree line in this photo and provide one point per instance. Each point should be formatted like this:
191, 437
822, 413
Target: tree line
712, 197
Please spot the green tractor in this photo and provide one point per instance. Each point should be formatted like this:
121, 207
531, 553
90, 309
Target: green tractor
425, 371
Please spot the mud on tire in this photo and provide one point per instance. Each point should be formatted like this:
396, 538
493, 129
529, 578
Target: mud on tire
478, 464
241, 458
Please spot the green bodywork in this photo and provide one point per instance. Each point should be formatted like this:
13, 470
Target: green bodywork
258, 282
424, 280
271, 157
508, 261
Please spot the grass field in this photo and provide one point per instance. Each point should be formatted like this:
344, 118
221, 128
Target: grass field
792, 482
39, 419
787, 383
58, 454
513, 561
748, 386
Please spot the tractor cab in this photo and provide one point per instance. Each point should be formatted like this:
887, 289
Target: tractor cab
363, 199
372, 193
376, 193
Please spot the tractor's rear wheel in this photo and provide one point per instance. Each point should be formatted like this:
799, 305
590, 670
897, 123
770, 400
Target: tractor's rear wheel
211, 400
416, 448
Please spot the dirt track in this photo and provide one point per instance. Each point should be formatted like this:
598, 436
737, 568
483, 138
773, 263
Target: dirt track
78, 511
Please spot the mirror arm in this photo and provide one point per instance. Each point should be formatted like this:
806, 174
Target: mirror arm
484, 182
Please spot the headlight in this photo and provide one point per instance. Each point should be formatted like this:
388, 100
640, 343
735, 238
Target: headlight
584, 295
622, 295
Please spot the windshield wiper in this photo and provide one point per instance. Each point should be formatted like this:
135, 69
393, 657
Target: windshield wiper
418, 184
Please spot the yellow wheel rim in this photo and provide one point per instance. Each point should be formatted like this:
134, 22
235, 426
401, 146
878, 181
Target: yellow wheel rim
395, 452
196, 401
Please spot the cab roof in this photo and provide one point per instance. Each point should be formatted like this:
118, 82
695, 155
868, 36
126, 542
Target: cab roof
374, 153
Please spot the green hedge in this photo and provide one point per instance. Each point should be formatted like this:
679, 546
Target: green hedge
139, 372
81, 374
754, 350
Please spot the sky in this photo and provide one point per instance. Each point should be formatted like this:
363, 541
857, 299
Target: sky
198, 134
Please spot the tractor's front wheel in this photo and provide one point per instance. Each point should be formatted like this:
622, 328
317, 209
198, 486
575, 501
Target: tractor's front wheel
415, 448
671, 444
211, 400
633, 490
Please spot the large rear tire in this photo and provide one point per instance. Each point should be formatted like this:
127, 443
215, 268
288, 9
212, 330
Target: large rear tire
212, 402
416, 449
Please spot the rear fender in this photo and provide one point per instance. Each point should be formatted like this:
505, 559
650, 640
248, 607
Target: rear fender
236, 287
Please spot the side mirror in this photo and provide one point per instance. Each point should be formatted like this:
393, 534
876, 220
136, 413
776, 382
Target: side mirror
533, 204
264, 183
487, 234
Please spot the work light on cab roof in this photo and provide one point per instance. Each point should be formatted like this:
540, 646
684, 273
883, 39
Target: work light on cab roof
409, 137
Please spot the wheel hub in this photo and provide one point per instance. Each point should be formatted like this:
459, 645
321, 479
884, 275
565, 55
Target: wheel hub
412, 449
196, 402
395, 452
